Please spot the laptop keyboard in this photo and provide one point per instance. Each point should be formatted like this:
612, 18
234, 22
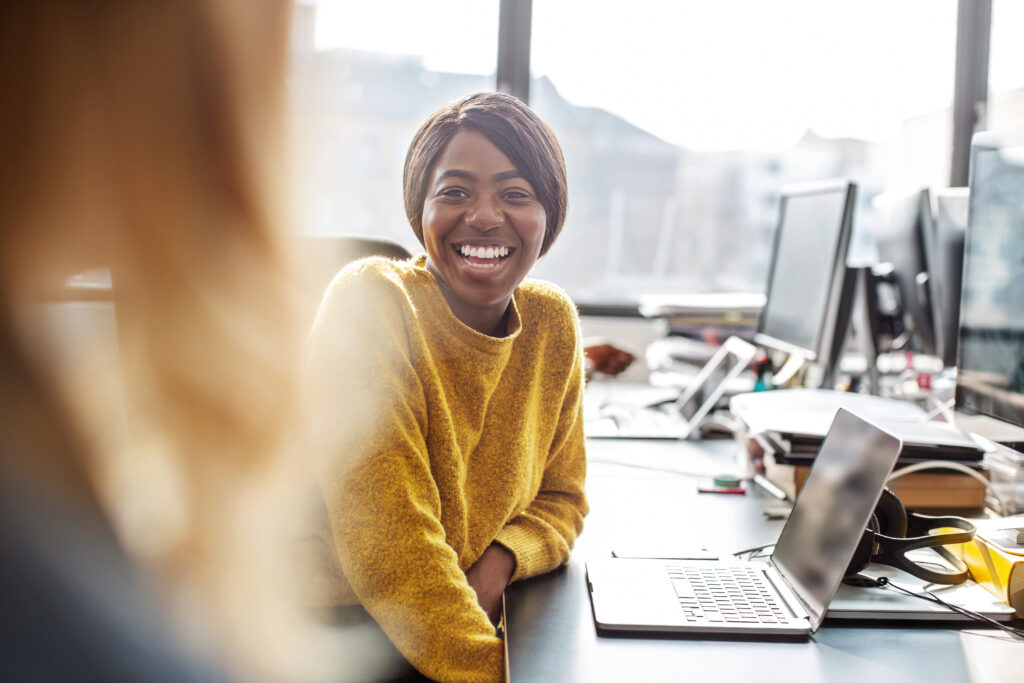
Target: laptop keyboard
641, 423
727, 595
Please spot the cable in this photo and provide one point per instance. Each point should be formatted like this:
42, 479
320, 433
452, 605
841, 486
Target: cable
753, 552
882, 582
941, 464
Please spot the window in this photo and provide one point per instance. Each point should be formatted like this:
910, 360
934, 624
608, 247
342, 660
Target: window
681, 121
363, 77
1005, 73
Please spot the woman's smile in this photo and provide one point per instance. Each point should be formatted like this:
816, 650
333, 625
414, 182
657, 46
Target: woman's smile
483, 228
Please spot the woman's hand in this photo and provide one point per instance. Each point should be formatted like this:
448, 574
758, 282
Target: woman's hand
489, 575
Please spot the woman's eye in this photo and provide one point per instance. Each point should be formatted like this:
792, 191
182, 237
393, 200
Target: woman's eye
516, 194
454, 192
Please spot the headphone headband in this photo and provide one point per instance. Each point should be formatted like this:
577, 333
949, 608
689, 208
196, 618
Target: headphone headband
893, 550
894, 531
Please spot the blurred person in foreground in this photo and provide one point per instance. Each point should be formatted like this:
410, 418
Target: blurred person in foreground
461, 467
145, 138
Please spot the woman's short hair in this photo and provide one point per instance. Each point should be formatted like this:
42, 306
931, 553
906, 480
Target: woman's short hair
514, 129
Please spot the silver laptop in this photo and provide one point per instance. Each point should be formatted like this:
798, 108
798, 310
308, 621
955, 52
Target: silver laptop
788, 595
679, 418
855, 603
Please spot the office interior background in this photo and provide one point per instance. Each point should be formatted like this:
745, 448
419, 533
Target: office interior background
680, 121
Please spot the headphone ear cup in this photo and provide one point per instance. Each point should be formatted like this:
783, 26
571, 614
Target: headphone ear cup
862, 555
890, 515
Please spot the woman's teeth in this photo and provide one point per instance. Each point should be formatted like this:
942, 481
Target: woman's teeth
483, 252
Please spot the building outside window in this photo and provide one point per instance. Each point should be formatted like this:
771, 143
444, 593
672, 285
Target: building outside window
680, 121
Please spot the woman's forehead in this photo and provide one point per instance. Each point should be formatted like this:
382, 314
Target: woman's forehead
470, 154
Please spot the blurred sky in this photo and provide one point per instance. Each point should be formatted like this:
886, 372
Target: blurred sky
722, 74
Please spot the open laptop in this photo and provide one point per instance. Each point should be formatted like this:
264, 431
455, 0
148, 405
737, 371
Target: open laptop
679, 418
788, 595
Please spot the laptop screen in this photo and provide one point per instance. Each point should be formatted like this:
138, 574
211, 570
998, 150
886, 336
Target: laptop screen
728, 361
833, 509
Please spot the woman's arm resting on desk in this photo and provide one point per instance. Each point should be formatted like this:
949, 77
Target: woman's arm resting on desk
542, 537
489, 576
383, 506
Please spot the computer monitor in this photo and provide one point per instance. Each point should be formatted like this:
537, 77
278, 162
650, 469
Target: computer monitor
810, 289
950, 220
904, 235
990, 376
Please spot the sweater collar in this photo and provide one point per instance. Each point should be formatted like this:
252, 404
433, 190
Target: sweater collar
459, 329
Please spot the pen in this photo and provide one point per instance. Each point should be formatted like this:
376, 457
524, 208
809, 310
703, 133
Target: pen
737, 491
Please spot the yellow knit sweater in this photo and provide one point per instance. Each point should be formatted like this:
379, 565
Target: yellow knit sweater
432, 440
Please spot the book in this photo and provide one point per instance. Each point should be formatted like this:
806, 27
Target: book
996, 560
918, 490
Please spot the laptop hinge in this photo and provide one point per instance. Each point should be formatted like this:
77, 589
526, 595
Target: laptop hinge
786, 592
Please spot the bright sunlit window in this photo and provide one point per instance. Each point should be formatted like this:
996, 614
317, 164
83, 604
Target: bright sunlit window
680, 121
364, 76
1006, 67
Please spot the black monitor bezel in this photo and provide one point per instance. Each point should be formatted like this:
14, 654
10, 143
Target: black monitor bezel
910, 237
826, 328
948, 241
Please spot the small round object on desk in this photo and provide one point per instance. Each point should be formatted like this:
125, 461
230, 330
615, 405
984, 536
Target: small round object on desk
727, 481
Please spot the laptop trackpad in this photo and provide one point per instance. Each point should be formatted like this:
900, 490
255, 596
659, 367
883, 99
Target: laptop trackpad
626, 593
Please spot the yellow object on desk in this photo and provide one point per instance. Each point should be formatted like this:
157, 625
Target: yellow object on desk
997, 566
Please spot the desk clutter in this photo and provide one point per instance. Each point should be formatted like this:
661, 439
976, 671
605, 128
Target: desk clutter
781, 432
995, 559
927, 490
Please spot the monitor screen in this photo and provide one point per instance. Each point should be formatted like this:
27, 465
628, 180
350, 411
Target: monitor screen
728, 361
990, 377
903, 235
808, 267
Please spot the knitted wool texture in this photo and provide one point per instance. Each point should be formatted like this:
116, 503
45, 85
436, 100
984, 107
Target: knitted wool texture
431, 441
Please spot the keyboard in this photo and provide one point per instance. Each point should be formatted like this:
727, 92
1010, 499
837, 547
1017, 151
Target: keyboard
637, 423
740, 595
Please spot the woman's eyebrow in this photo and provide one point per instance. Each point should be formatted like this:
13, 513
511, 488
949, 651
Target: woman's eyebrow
466, 175
455, 173
505, 175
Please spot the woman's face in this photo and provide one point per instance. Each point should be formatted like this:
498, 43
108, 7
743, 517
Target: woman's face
483, 227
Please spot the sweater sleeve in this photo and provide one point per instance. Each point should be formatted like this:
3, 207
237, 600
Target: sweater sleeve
542, 536
382, 503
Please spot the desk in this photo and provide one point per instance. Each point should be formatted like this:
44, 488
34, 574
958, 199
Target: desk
551, 636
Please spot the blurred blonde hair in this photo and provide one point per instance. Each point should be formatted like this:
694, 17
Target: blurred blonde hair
146, 137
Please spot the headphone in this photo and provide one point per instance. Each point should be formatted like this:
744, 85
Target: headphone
894, 531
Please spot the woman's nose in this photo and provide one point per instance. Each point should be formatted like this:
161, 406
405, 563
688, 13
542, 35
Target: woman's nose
484, 215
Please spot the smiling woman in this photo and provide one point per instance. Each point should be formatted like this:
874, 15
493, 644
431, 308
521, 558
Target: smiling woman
483, 228
459, 464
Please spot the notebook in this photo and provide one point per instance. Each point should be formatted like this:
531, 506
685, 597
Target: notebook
681, 417
789, 595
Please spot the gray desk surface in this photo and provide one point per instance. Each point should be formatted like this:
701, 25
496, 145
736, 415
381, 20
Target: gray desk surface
550, 629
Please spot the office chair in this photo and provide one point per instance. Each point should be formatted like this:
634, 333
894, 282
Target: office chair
322, 256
